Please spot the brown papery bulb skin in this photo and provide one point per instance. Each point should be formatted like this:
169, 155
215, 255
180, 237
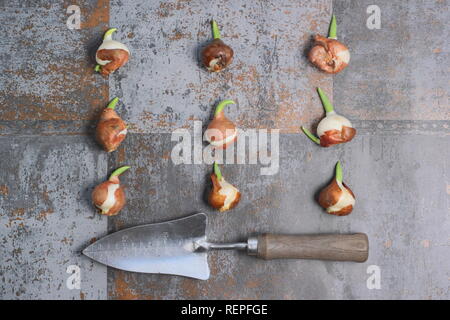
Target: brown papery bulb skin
109, 132
332, 137
217, 200
329, 55
217, 55
118, 58
220, 129
330, 195
100, 194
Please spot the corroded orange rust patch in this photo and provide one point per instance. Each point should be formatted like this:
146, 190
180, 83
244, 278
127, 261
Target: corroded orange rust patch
98, 16
177, 35
166, 155
4, 190
190, 288
122, 285
18, 212
11, 221
52, 106
43, 214
66, 240
253, 284
122, 290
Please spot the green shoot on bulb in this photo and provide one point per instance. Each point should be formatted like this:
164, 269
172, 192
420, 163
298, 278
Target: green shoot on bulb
119, 171
113, 103
222, 105
325, 101
215, 30
339, 172
311, 136
217, 171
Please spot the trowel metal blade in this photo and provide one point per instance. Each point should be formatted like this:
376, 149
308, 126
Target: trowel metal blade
166, 248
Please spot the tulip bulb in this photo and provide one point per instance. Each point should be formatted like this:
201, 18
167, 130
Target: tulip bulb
334, 128
109, 196
216, 56
337, 198
111, 129
328, 54
111, 54
223, 195
221, 131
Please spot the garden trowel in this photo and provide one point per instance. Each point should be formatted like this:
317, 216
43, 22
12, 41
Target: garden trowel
179, 247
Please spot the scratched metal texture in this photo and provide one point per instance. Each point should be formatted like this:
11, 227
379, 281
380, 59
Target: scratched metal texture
46, 217
395, 91
401, 205
399, 72
49, 100
164, 86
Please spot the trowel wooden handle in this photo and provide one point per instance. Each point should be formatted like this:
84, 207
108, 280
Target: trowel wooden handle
337, 247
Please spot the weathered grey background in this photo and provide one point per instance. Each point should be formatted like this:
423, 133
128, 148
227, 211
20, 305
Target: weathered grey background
395, 90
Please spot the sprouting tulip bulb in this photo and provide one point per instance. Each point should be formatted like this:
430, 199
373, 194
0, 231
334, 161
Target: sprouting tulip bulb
109, 196
97, 68
109, 33
216, 56
111, 54
113, 103
221, 131
338, 172
311, 136
119, 171
215, 30
111, 129
222, 105
325, 101
327, 53
337, 198
217, 171
223, 195
332, 31
333, 128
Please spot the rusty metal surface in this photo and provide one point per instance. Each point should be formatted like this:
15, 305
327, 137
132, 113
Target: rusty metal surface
48, 85
399, 205
49, 98
164, 87
395, 91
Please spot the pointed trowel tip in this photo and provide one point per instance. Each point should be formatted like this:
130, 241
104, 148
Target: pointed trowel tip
87, 252
204, 276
